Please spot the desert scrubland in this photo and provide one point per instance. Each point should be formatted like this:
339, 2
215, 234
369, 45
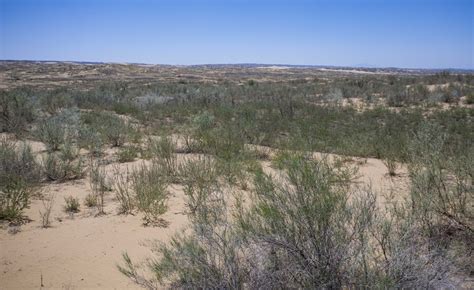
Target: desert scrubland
234, 176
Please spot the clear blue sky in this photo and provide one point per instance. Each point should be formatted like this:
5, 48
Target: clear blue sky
403, 33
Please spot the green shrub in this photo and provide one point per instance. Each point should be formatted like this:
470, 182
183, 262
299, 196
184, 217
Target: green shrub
123, 191
72, 205
19, 177
163, 152
199, 178
125, 108
149, 185
56, 168
18, 163
90, 139
98, 184
308, 213
52, 133
390, 161
16, 111
470, 99
55, 101
441, 186
127, 154
14, 198
69, 152
114, 129
90, 200
209, 255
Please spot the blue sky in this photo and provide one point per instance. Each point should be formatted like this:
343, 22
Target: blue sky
403, 33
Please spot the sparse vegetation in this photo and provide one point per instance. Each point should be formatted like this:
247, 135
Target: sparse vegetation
19, 178
262, 210
52, 133
127, 154
90, 200
163, 152
123, 191
199, 177
150, 187
72, 205
45, 214
59, 168
98, 184
16, 111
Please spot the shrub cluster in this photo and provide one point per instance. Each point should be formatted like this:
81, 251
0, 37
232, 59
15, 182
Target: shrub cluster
307, 228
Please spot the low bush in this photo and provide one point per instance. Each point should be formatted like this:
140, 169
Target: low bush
59, 168
199, 177
14, 198
45, 214
18, 163
19, 176
52, 133
305, 228
441, 187
54, 101
470, 99
72, 205
123, 191
90, 139
114, 129
98, 184
208, 256
16, 111
90, 200
163, 151
150, 187
127, 154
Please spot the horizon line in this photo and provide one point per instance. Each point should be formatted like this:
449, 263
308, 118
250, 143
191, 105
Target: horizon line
243, 63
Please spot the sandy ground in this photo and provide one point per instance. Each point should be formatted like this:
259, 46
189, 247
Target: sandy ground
82, 251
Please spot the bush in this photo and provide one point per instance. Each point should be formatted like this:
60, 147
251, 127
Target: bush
441, 187
52, 133
163, 152
123, 192
90, 200
397, 96
16, 111
48, 203
72, 205
58, 168
470, 99
14, 198
149, 185
90, 139
127, 154
54, 101
209, 256
98, 184
391, 163
18, 163
114, 129
307, 214
300, 231
199, 178
19, 177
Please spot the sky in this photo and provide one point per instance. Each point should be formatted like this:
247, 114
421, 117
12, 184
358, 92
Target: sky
379, 33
